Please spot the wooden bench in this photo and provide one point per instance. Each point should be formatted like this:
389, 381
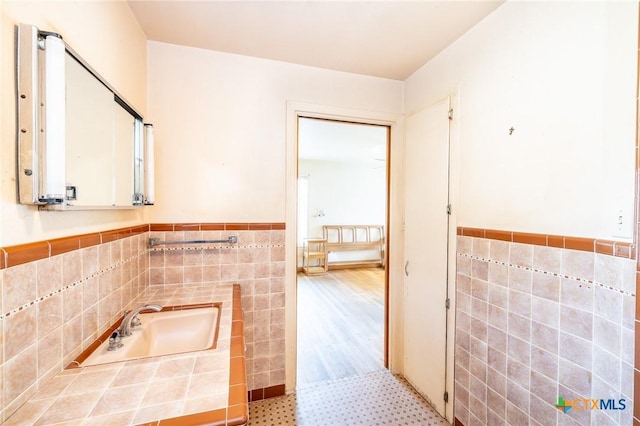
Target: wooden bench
340, 238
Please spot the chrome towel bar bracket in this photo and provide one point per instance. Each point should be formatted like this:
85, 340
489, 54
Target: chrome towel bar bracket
156, 241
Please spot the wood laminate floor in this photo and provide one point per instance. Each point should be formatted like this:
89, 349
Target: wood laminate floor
340, 324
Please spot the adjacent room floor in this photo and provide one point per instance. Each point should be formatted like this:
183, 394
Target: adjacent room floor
340, 324
341, 375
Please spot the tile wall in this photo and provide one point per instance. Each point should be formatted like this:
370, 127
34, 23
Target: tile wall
57, 297
257, 263
539, 319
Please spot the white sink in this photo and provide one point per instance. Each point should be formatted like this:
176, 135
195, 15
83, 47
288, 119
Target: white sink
163, 333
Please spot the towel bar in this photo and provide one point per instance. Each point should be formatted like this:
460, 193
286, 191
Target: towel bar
156, 241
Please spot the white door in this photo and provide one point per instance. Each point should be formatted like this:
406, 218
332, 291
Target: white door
426, 230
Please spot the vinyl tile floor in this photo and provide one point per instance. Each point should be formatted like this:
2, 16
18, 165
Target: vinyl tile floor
371, 399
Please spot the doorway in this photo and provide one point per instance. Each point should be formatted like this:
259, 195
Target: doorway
343, 205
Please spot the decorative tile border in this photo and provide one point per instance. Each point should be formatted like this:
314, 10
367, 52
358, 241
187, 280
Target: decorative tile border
554, 274
170, 227
71, 285
204, 246
30, 252
612, 248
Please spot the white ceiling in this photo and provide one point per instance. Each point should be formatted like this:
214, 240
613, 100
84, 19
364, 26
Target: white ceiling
389, 39
381, 38
362, 144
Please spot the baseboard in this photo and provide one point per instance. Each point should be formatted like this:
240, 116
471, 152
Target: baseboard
265, 393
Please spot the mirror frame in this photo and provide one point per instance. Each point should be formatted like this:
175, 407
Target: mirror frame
41, 148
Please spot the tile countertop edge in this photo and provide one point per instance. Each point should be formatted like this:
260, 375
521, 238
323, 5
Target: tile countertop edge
237, 412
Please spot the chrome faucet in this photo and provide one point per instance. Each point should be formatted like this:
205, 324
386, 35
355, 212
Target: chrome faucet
131, 319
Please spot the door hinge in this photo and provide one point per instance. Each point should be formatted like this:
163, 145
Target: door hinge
446, 396
447, 303
448, 209
451, 114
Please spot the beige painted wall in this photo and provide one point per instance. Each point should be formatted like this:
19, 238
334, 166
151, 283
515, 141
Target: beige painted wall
109, 38
563, 75
220, 127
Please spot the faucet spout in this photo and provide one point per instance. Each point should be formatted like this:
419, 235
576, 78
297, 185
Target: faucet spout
131, 318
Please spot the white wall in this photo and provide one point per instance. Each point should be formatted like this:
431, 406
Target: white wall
348, 193
220, 124
109, 38
563, 75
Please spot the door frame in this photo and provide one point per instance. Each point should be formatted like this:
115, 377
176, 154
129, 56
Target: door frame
454, 156
393, 299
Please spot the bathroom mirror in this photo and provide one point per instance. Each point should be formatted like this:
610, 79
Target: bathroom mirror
80, 144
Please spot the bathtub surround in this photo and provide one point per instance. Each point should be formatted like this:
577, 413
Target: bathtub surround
59, 295
540, 317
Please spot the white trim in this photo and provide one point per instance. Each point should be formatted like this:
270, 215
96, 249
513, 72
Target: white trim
396, 122
302, 226
454, 156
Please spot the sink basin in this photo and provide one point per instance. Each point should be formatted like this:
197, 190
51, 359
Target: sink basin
164, 333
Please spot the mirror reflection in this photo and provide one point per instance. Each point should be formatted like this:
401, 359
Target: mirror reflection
100, 137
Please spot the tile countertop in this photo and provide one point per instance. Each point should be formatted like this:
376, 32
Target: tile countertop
205, 387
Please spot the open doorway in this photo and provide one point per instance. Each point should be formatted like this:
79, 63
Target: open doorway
342, 217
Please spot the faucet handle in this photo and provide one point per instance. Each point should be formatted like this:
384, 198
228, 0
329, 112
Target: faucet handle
115, 341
